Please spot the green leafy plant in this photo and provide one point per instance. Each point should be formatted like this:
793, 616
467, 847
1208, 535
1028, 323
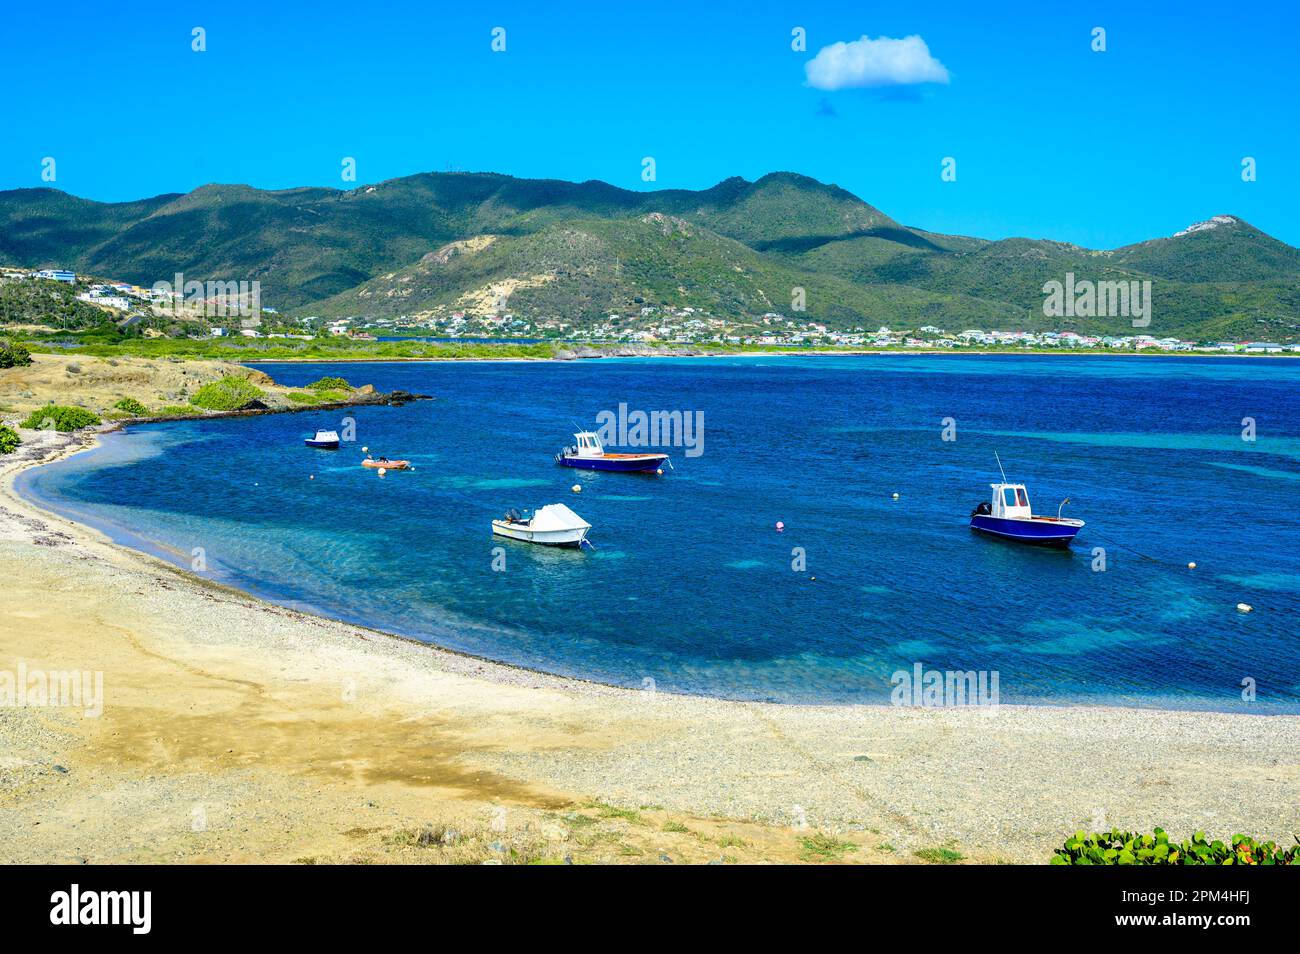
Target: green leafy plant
330, 384
231, 393
13, 355
302, 397
9, 440
131, 406
1130, 848
60, 418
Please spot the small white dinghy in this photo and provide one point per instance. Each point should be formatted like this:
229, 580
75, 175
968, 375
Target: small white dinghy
554, 525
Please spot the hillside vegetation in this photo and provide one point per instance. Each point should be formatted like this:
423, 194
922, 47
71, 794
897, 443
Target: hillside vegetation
486, 243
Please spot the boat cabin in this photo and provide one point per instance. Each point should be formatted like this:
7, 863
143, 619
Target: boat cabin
588, 445
1010, 501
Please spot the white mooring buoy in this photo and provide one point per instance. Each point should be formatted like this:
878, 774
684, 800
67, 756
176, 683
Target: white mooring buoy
577, 488
1244, 607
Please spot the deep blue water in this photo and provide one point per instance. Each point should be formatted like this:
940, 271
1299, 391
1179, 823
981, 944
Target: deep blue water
693, 587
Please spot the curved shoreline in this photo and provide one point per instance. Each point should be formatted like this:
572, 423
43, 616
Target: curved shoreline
87, 532
131, 544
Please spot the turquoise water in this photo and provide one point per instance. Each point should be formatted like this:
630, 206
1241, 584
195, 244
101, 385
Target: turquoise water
692, 586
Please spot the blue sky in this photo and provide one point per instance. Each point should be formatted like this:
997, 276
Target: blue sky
1051, 139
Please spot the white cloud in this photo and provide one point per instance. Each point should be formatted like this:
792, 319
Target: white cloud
868, 62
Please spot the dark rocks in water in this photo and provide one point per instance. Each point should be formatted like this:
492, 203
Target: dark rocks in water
398, 398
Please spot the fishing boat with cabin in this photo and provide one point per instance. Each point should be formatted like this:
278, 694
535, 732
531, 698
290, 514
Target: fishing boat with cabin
325, 440
589, 454
1009, 516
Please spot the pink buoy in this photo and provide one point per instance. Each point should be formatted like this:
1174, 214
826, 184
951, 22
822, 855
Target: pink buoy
779, 526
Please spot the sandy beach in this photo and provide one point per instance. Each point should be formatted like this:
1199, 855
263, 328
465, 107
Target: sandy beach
233, 730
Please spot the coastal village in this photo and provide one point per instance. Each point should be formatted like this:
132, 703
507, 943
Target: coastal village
127, 304
689, 326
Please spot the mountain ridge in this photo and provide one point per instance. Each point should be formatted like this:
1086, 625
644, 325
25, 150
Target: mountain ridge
325, 250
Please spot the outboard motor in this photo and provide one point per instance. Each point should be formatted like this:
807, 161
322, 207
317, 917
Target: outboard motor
983, 510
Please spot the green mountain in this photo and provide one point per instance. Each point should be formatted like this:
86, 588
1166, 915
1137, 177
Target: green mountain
1230, 281
485, 242
591, 268
1223, 249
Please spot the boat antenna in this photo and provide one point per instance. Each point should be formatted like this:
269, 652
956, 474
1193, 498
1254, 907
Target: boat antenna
999, 460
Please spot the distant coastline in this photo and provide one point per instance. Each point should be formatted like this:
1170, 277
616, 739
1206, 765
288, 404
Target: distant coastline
781, 353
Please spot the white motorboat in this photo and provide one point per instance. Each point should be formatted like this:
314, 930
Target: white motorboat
327, 440
553, 525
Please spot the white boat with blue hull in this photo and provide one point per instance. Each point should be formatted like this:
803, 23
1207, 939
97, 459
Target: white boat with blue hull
588, 453
325, 440
554, 525
1009, 516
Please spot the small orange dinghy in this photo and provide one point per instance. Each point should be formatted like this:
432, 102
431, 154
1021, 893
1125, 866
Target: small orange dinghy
385, 463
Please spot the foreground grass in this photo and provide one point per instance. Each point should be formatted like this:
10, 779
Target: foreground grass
823, 847
939, 856
595, 832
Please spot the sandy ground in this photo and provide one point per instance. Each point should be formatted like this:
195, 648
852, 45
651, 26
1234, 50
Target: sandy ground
233, 730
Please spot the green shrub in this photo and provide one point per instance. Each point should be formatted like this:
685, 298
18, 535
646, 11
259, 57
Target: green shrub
131, 406
175, 410
61, 418
13, 354
229, 394
1129, 848
9, 440
330, 384
302, 397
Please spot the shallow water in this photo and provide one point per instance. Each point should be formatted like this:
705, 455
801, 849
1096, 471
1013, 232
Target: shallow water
692, 587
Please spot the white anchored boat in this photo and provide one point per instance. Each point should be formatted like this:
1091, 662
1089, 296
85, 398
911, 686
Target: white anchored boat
326, 440
553, 525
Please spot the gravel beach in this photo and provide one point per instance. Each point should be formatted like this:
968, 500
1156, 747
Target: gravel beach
236, 730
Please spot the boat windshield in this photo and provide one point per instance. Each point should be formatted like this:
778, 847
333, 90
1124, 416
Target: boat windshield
1015, 497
